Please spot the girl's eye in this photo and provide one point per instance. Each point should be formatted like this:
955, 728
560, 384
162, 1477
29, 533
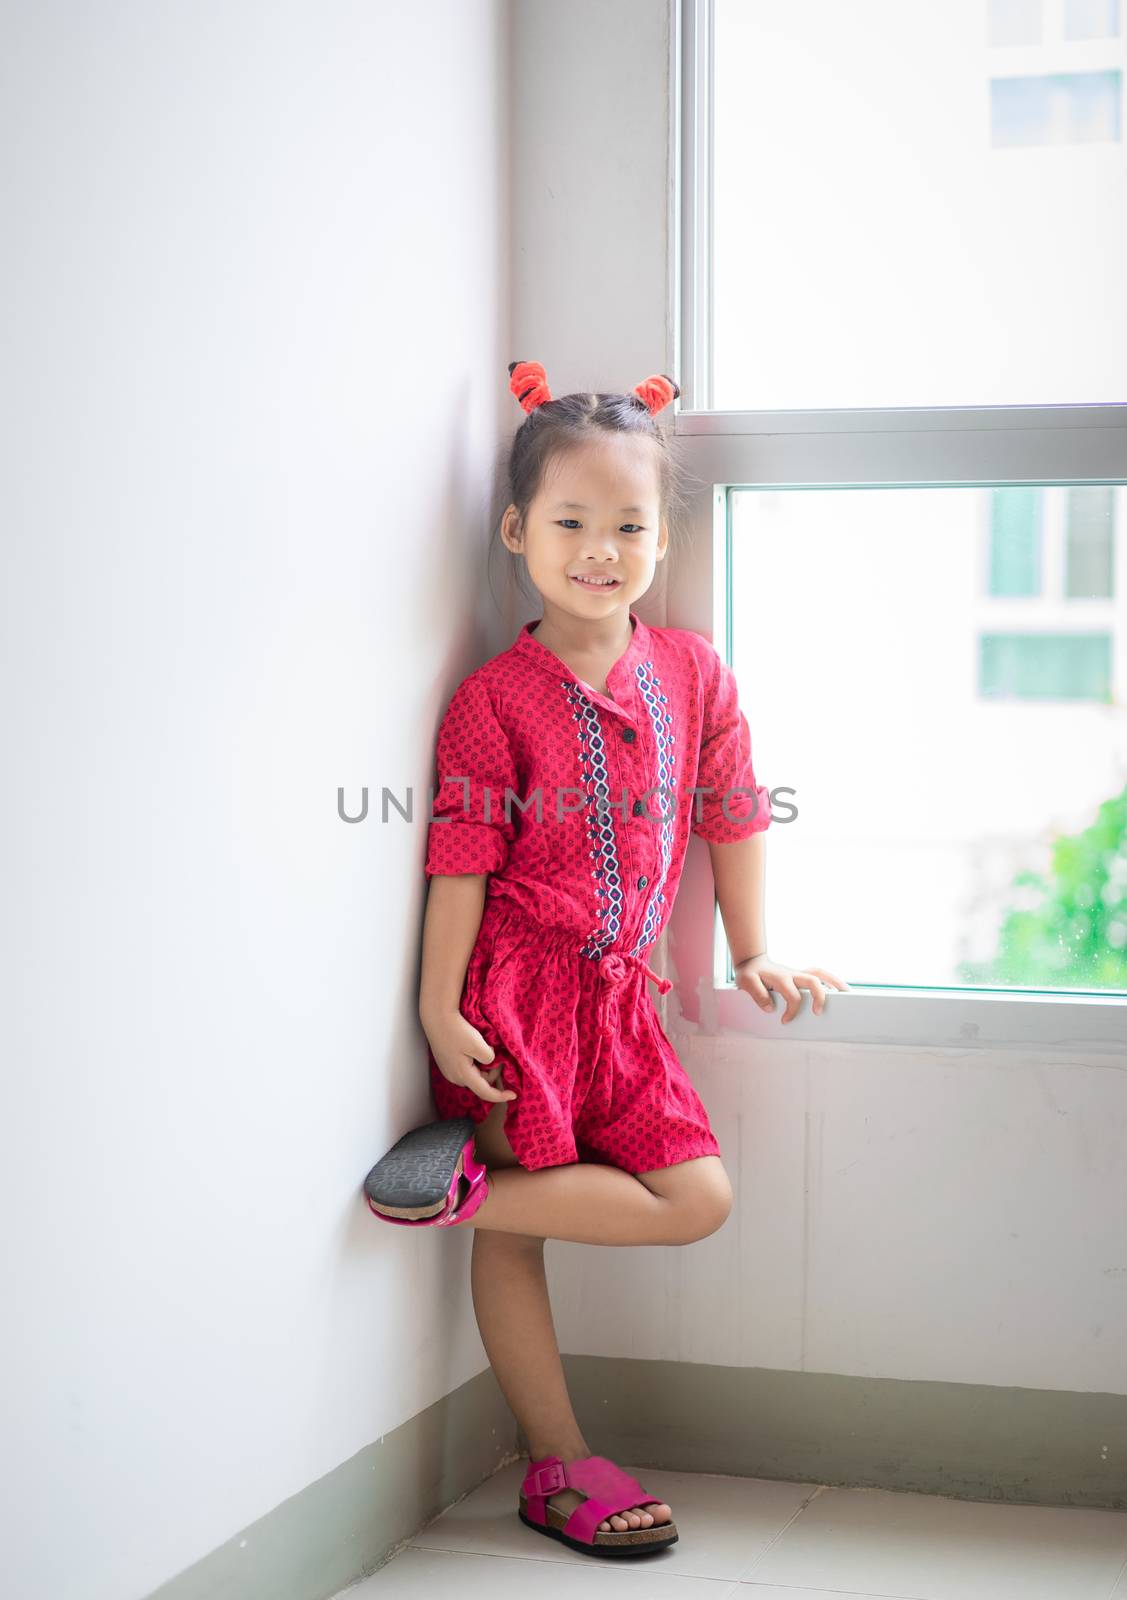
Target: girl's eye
635, 527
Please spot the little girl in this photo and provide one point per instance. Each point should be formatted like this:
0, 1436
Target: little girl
572, 768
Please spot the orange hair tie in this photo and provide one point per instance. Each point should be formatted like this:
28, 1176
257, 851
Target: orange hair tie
656, 393
529, 384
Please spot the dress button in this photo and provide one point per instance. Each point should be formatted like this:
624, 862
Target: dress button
639, 807
629, 735
642, 882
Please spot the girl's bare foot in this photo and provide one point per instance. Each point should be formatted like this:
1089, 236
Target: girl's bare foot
640, 1517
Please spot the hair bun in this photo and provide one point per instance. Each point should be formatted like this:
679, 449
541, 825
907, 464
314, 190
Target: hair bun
528, 382
656, 393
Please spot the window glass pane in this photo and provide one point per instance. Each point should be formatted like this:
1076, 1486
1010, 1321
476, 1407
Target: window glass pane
1090, 543
1055, 108
1015, 541
1015, 22
1045, 666
957, 761
1091, 19
906, 214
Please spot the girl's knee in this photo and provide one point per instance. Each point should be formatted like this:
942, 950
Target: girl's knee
702, 1205
710, 1211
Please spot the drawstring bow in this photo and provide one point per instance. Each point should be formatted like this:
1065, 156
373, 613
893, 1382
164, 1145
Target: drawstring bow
614, 969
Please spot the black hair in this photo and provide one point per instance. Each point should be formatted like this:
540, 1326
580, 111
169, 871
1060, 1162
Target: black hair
554, 427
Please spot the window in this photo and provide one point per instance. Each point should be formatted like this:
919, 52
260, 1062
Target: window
1056, 108
902, 359
1045, 666
1090, 550
1061, 650
1091, 19
912, 205
1015, 22
1022, 22
956, 743
1056, 105
1015, 542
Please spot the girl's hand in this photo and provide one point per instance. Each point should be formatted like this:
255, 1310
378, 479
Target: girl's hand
457, 1047
759, 974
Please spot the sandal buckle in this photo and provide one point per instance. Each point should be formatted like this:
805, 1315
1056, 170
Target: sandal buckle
547, 1480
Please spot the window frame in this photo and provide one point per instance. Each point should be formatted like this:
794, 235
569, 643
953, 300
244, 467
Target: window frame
866, 447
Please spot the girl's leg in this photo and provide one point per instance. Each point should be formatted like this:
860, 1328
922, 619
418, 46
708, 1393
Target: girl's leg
589, 1203
514, 1314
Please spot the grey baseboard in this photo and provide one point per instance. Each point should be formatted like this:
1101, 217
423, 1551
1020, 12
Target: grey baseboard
349, 1522
965, 1441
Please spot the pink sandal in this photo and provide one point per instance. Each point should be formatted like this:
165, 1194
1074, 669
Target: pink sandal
610, 1491
416, 1185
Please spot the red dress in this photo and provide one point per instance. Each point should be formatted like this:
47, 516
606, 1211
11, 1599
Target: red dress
584, 856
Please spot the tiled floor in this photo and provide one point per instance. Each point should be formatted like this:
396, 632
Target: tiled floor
755, 1539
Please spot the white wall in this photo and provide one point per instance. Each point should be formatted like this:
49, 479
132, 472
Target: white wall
590, 111
950, 1215
913, 1212
256, 346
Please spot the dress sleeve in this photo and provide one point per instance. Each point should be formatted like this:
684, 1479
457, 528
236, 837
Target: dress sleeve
725, 764
475, 767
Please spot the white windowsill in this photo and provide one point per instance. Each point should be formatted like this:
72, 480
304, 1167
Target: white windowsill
937, 1018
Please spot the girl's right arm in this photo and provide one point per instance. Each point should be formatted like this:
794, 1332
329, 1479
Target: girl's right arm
453, 917
469, 837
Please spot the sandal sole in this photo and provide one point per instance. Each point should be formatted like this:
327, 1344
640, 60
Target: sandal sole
637, 1542
414, 1178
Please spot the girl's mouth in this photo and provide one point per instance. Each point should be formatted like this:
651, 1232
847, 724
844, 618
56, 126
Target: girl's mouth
597, 583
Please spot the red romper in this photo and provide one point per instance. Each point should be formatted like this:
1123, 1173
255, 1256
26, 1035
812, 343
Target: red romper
584, 862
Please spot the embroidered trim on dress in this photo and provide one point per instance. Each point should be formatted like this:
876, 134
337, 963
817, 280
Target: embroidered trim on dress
600, 823
649, 685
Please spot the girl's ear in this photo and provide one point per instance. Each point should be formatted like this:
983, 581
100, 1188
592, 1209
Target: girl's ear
510, 528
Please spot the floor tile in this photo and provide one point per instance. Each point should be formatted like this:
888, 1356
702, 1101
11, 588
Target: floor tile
873, 1541
725, 1524
417, 1574
771, 1591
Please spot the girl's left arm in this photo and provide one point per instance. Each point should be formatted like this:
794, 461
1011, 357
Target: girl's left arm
738, 870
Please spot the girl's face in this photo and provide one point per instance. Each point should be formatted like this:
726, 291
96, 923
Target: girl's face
596, 514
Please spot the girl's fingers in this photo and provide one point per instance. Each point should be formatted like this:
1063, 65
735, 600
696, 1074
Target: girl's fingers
828, 977
807, 980
482, 1050
788, 988
758, 991
476, 1081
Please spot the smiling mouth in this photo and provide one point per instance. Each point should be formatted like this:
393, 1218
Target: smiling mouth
597, 583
